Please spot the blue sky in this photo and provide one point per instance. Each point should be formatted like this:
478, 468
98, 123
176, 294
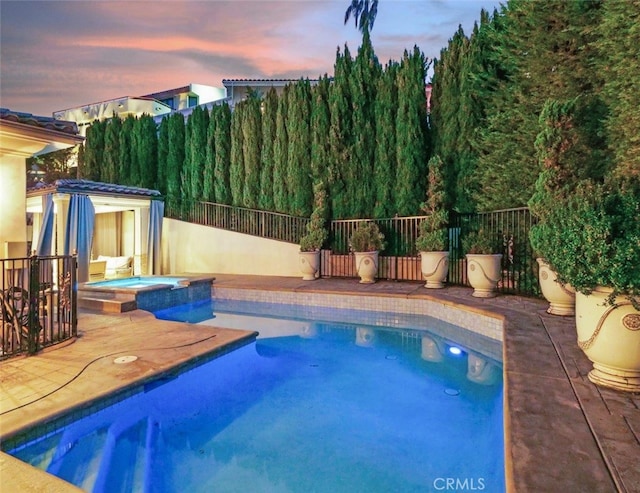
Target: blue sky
59, 54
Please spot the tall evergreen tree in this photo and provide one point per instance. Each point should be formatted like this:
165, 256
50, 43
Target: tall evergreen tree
208, 174
618, 61
251, 145
147, 151
280, 150
127, 151
340, 135
109, 169
299, 153
163, 151
222, 138
385, 162
175, 160
93, 151
411, 138
320, 124
363, 80
541, 53
236, 169
269, 116
197, 153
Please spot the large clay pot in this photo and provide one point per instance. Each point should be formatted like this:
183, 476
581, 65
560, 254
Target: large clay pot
610, 337
435, 266
367, 266
309, 265
561, 297
483, 273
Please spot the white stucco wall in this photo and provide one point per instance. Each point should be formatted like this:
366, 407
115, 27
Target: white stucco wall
190, 248
13, 224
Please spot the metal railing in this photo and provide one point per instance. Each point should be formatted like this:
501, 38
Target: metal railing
253, 222
400, 260
38, 303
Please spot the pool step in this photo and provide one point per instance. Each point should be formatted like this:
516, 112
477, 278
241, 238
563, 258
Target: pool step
107, 304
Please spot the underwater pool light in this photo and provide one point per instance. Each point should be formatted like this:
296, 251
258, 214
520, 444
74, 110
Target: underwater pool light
455, 350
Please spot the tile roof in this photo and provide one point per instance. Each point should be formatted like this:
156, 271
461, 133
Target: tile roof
45, 122
93, 187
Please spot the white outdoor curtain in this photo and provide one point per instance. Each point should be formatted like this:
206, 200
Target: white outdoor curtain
156, 213
46, 226
79, 232
107, 234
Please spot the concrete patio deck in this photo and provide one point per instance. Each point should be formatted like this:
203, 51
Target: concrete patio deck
562, 433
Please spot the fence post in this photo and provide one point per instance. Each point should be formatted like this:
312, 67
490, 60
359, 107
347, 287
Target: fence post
34, 305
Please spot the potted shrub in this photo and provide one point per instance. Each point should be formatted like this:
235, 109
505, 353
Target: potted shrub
311, 243
366, 242
483, 263
433, 231
591, 237
563, 156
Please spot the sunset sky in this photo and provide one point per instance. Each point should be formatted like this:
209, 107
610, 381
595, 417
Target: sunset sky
59, 54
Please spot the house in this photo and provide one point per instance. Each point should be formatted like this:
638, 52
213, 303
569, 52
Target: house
157, 104
23, 135
238, 89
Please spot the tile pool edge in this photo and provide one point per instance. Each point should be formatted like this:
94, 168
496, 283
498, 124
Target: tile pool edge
483, 322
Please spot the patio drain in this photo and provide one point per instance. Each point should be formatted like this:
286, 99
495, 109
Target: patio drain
121, 360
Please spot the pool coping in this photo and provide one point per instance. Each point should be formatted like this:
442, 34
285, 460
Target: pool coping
561, 432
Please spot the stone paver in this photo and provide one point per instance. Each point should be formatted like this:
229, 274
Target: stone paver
562, 433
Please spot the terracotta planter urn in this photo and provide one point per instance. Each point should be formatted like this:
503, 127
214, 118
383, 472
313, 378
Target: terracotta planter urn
610, 337
561, 297
309, 265
435, 267
483, 273
366, 266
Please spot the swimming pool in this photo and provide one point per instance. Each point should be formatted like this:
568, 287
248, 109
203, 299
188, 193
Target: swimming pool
321, 406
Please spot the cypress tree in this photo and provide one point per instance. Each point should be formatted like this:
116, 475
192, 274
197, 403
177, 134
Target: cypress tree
236, 169
185, 175
320, 124
269, 116
299, 153
163, 151
251, 145
175, 160
410, 134
280, 150
93, 151
363, 80
109, 168
208, 175
340, 136
147, 151
385, 162
126, 150
540, 51
617, 58
197, 154
222, 138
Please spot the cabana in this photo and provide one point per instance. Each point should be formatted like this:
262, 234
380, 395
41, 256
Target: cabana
97, 220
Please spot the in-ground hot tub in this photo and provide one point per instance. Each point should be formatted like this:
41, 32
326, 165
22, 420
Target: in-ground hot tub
150, 292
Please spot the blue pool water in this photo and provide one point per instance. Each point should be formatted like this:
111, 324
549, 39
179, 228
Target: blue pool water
138, 282
320, 406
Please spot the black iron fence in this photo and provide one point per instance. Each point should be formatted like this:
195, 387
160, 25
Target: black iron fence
400, 260
241, 220
38, 303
